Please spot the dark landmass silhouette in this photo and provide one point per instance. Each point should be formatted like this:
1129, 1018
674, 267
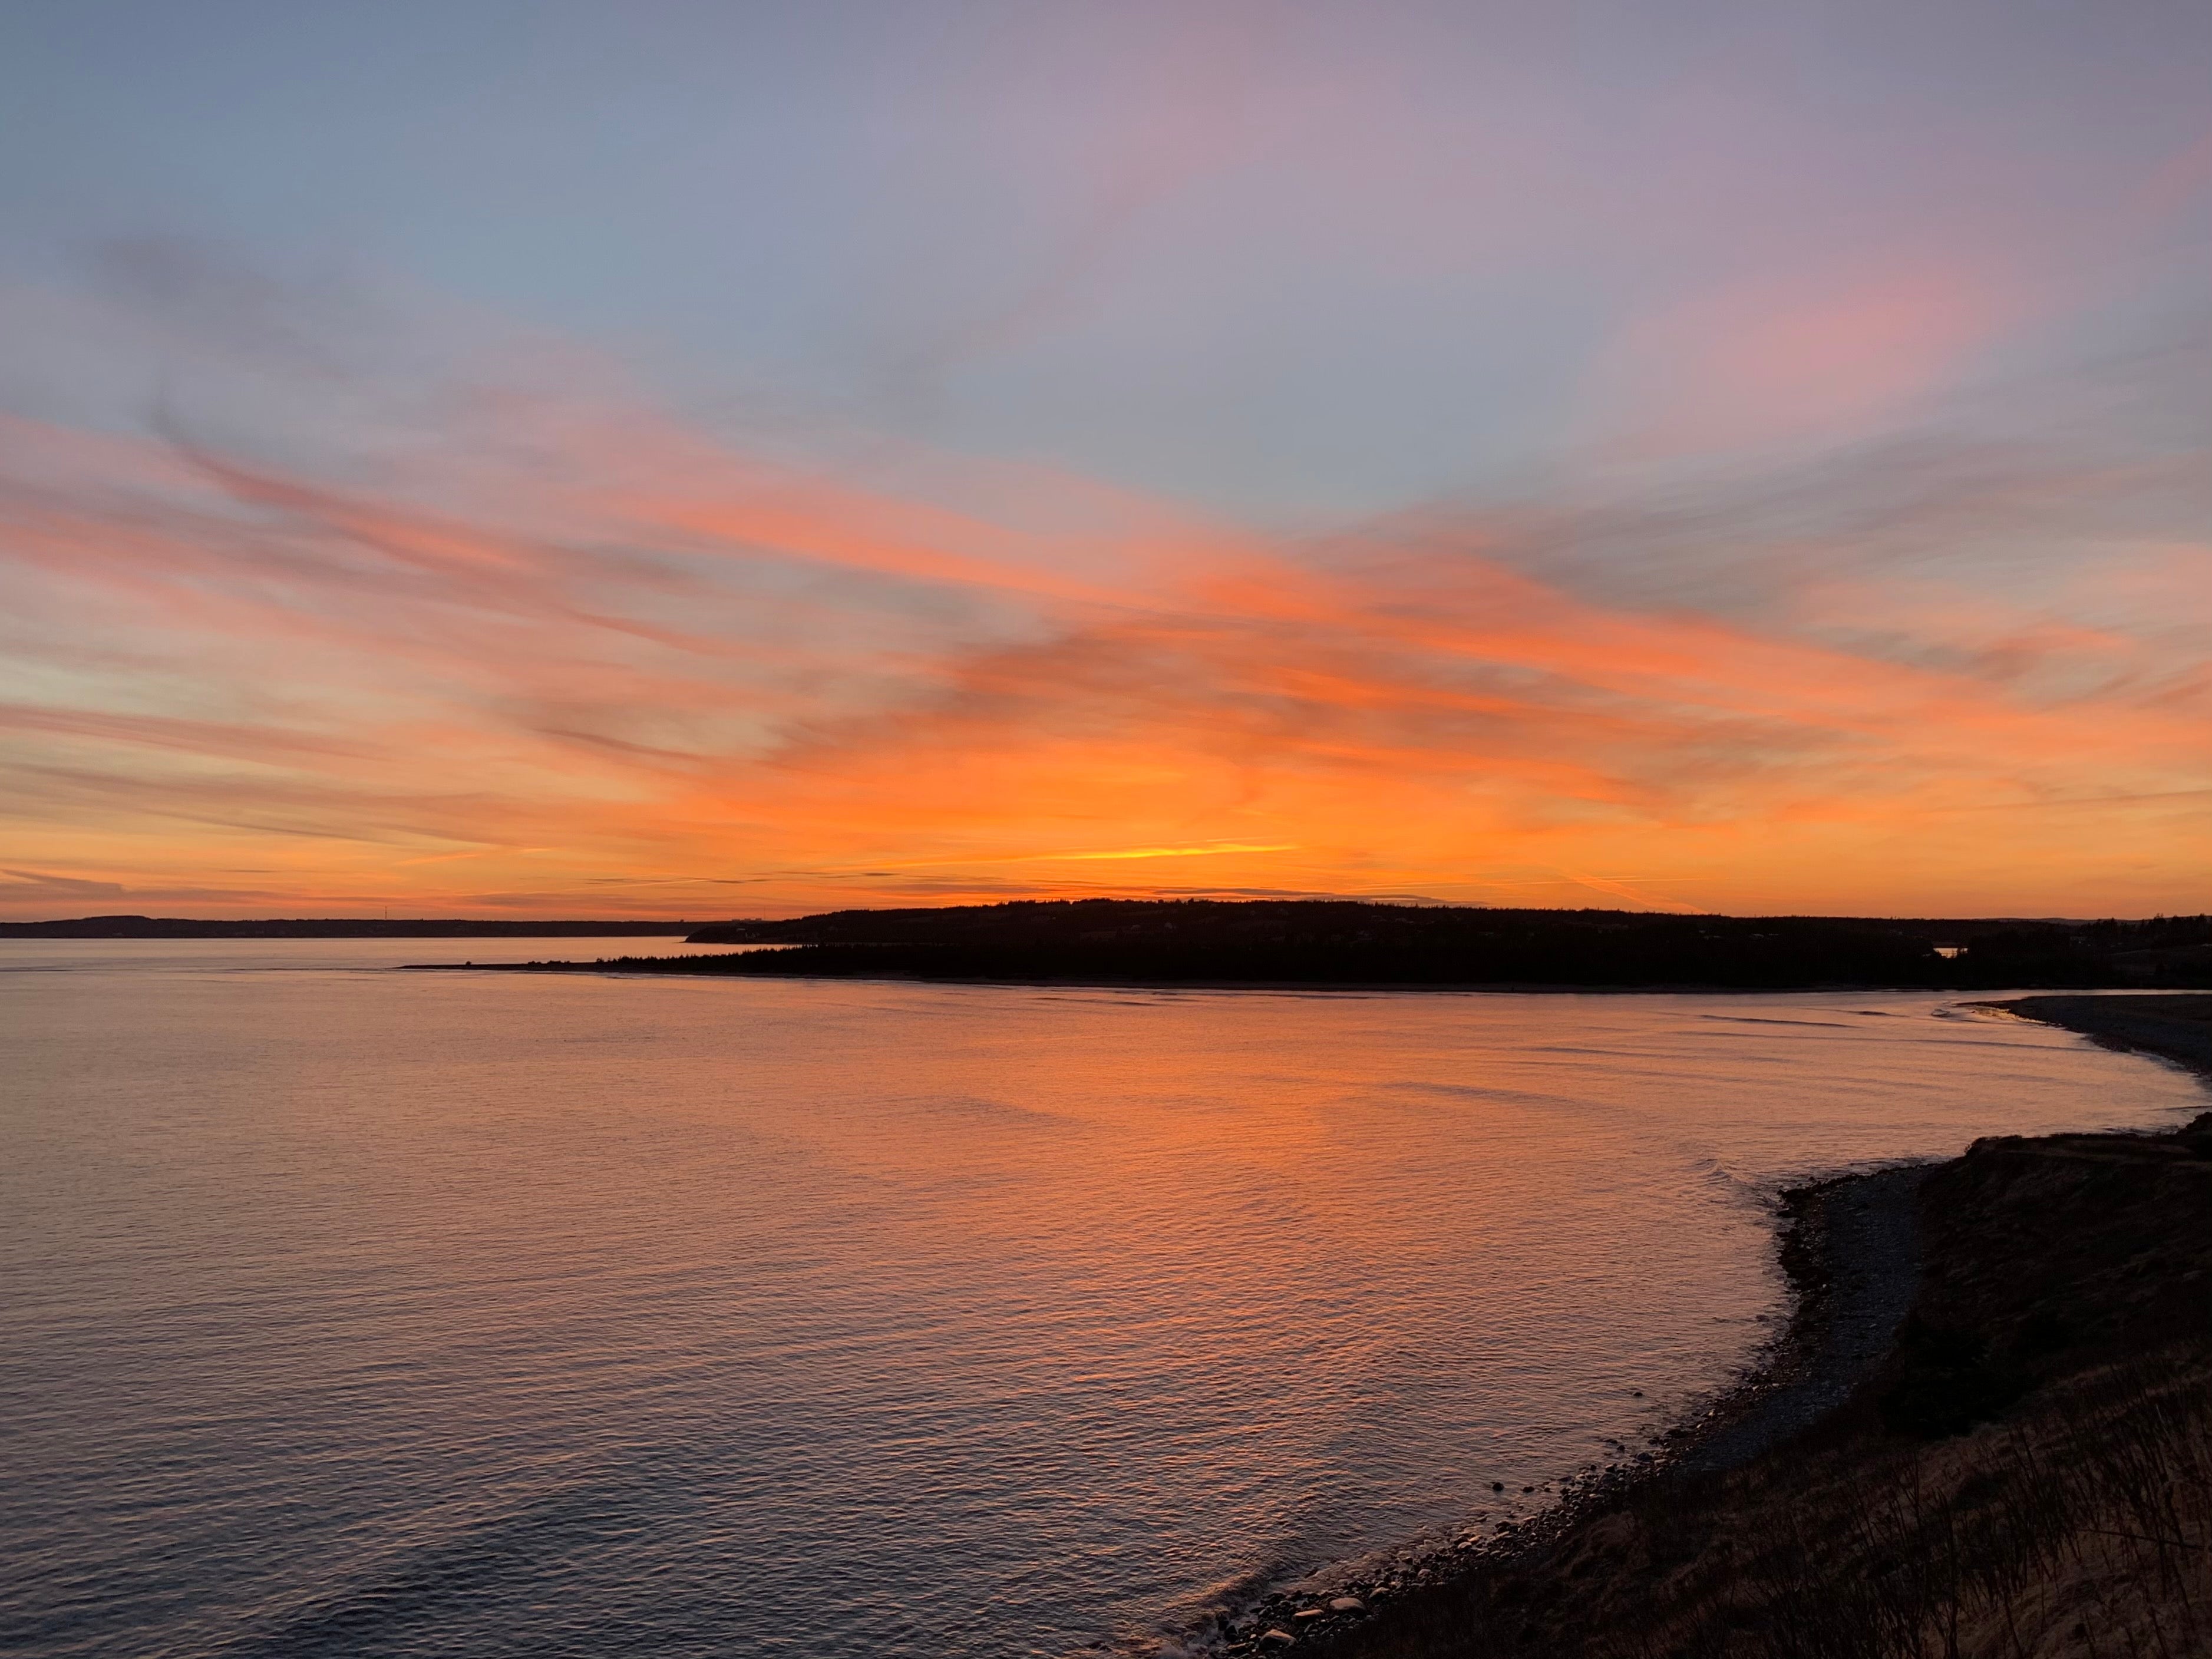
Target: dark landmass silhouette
2024, 1467
332, 927
1320, 943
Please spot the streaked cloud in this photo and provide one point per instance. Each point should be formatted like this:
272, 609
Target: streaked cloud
608, 648
1484, 453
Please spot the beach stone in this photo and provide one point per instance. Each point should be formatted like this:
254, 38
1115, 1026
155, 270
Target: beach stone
1309, 1612
1277, 1638
1347, 1604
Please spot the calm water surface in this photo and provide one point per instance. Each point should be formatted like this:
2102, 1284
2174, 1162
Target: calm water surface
357, 1313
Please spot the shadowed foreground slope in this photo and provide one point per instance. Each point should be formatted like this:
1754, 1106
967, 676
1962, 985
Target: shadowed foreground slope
2028, 1472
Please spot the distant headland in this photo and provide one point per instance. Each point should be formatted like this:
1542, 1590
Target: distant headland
333, 927
1346, 942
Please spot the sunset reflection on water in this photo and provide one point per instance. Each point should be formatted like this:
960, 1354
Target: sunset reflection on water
362, 1312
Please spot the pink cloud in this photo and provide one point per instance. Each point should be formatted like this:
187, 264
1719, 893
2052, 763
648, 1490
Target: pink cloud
1825, 356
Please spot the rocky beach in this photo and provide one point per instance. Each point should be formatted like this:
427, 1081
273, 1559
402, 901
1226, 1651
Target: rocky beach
1987, 1430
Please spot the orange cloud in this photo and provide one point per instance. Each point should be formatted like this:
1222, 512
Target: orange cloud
633, 674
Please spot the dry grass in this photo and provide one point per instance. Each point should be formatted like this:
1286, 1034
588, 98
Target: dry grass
2086, 1528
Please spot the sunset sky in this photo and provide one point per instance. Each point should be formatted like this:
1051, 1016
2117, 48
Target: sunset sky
720, 459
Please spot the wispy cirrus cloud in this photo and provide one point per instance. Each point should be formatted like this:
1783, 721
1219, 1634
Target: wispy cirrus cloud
573, 641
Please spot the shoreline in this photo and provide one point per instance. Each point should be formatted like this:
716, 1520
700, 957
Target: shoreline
1865, 1293
1847, 1245
2179, 1032
663, 967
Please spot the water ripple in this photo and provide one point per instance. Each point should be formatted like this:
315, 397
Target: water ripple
351, 1313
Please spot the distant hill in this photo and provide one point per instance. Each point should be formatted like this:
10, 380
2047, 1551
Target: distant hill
1343, 942
330, 928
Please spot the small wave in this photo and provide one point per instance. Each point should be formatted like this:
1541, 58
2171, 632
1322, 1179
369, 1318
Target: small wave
1767, 1019
411, 1600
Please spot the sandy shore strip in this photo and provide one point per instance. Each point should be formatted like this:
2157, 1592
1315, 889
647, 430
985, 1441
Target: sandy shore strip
2174, 1025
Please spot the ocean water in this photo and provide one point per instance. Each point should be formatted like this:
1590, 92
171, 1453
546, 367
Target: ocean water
349, 1312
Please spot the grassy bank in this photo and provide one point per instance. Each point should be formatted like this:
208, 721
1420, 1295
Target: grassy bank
2027, 1471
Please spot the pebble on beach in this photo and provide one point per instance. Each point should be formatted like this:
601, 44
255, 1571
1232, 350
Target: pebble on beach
1347, 1604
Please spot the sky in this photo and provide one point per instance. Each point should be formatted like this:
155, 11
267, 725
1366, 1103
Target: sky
696, 460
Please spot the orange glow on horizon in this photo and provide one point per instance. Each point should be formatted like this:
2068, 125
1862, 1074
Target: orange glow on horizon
750, 692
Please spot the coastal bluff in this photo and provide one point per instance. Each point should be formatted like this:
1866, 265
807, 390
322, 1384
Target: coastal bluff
2026, 1470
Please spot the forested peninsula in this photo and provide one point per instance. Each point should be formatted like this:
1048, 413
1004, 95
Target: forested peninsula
1343, 943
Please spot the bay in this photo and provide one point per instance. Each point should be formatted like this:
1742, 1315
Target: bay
356, 1312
